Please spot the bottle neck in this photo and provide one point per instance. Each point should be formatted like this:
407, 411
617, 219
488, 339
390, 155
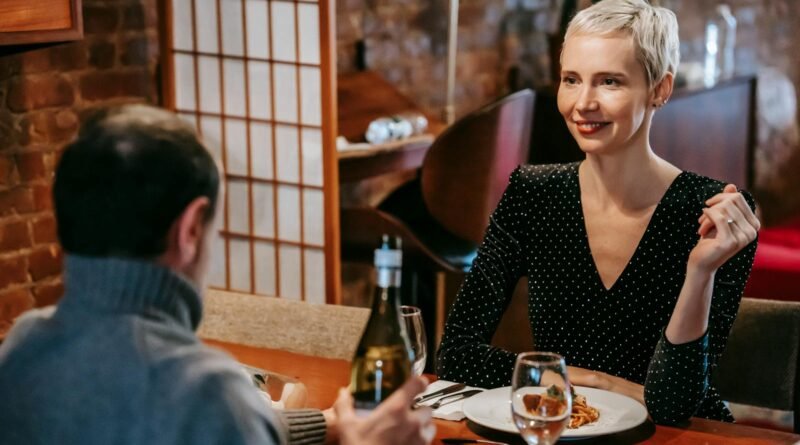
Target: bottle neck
388, 277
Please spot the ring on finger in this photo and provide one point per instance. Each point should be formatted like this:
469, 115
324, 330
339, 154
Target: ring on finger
729, 221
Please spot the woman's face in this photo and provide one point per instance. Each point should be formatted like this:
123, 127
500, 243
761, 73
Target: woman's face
603, 95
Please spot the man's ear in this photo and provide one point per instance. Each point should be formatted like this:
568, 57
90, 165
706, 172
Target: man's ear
189, 230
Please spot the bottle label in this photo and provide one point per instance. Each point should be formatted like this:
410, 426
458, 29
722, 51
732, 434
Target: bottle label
388, 258
388, 277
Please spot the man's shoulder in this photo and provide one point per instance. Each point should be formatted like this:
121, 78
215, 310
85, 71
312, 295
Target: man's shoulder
22, 328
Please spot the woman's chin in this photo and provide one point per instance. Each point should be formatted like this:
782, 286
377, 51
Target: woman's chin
593, 147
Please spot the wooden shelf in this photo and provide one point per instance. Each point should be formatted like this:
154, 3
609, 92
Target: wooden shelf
364, 96
24, 22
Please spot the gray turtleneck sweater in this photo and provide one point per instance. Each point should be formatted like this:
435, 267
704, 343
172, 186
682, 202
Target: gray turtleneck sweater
118, 362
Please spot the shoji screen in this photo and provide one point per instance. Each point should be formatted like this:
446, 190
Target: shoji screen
256, 78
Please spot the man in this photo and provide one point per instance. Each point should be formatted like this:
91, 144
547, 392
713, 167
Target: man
118, 361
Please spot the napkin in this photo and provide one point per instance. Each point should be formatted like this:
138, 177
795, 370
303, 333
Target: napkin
451, 411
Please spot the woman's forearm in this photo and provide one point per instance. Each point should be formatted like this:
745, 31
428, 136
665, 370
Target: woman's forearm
596, 379
689, 320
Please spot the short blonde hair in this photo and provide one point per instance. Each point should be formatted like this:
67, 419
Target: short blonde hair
654, 30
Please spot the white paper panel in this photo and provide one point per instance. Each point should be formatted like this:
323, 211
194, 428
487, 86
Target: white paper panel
232, 37
206, 12
286, 153
257, 29
240, 264
283, 38
234, 87
289, 263
261, 150
314, 275
263, 210
209, 84
236, 146
260, 97
312, 156
238, 213
189, 118
211, 131
313, 217
288, 213
182, 24
311, 95
184, 82
216, 268
308, 19
285, 93
265, 268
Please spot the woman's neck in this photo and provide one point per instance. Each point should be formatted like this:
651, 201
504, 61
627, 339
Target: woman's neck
626, 179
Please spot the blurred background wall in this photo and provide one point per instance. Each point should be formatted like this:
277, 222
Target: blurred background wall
44, 95
508, 44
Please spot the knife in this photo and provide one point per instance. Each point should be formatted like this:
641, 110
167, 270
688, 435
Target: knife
446, 390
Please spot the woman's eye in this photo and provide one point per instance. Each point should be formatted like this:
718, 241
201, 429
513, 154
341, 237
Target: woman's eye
569, 80
610, 81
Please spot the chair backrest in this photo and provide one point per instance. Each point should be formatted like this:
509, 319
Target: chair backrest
466, 169
319, 330
761, 364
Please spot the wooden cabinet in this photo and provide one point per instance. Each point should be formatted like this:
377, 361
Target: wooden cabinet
40, 21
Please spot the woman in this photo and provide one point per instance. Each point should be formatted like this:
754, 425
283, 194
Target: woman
635, 269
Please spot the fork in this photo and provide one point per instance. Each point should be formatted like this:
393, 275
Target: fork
454, 398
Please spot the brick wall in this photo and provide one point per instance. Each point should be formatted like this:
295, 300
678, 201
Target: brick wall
44, 94
406, 42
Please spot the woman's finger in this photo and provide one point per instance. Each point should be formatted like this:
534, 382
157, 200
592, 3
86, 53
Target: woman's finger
720, 221
726, 192
744, 231
748, 214
705, 227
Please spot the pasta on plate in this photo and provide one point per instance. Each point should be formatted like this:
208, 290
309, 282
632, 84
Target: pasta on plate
552, 404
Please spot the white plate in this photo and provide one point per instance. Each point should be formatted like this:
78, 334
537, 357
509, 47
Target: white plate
492, 409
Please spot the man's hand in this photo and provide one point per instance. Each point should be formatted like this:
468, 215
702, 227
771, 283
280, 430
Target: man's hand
392, 422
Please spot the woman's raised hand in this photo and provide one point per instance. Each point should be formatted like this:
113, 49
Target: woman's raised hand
727, 225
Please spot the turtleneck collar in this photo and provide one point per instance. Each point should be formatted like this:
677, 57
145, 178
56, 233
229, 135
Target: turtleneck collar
127, 285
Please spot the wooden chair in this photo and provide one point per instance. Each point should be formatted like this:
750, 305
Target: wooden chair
761, 364
442, 214
318, 330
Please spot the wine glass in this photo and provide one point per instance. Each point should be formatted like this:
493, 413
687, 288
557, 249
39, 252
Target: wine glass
541, 397
412, 317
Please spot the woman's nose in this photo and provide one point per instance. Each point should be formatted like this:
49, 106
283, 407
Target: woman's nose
587, 100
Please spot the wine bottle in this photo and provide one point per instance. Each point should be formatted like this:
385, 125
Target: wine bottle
383, 358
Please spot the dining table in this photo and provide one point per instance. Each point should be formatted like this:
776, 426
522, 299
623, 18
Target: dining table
324, 376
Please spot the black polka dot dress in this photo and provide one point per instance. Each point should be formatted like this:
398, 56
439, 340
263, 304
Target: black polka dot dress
538, 231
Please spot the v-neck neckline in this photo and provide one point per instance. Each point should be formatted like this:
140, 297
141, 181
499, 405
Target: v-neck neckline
642, 240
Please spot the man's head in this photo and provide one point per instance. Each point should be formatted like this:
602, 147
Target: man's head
137, 183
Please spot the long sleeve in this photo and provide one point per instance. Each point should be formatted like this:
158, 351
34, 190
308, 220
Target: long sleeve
465, 354
678, 378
